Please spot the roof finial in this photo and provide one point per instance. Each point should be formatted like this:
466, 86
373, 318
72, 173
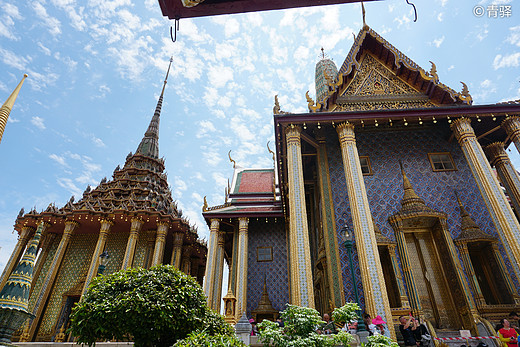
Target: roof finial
231, 160
149, 145
8, 105
363, 13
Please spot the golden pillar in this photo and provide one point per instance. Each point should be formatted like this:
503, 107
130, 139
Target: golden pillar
512, 128
232, 280
374, 288
398, 277
150, 243
507, 173
45, 245
504, 219
214, 266
128, 260
241, 286
6, 108
470, 271
301, 286
48, 283
334, 274
178, 238
186, 261
505, 273
160, 240
100, 246
23, 238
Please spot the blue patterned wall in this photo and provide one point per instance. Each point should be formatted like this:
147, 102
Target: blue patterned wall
385, 187
272, 234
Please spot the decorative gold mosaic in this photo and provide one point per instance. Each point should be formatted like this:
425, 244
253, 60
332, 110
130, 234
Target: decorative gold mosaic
43, 273
74, 267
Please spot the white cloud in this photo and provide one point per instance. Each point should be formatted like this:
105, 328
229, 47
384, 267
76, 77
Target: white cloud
514, 37
44, 49
7, 23
97, 141
438, 42
440, 16
53, 24
205, 127
38, 122
76, 17
59, 159
510, 60
69, 184
220, 75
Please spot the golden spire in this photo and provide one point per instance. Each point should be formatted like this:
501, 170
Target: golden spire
470, 231
410, 198
8, 106
231, 160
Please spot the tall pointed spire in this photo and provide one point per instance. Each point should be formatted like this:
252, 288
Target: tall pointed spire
410, 198
469, 229
149, 145
8, 106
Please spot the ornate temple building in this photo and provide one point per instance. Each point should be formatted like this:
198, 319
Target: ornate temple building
403, 163
131, 217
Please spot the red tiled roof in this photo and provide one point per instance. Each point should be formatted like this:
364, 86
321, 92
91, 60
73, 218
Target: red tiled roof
256, 181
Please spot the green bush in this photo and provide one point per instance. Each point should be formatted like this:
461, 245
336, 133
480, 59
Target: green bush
299, 330
202, 338
380, 341
155, 307
346, 313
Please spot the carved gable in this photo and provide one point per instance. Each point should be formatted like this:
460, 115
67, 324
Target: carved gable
375, 87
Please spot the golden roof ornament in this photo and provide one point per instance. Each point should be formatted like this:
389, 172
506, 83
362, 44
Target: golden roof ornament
191, 3
433, 72
205, 206
310, 102
231, 160
464, 94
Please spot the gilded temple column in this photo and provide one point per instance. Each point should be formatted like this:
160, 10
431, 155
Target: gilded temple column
241, 286
374, 288
504, 219
100, 246
334, 274
48, 283
160, 240
234, 260
150, 243
178, 238
505, 274
398, 277
23, 238
301, 286
214, 266
470, 271
186, 261
507, 173
45, 245
512, 128
413, 295
128, 260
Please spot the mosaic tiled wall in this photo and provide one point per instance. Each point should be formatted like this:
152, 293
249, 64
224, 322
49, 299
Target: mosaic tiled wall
74, 266
116, 246
262, 234
385, 190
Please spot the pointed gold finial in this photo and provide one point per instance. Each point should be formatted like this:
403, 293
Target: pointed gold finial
363, 14
6, 108
270, 151
205, 206
464, 94
276, 108
433, 72
231, 160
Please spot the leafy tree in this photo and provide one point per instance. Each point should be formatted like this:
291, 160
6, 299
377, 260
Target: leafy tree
156, 307
299, 330
346, 313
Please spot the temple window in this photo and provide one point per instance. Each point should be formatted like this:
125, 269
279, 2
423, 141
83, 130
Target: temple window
441, 162
366, 169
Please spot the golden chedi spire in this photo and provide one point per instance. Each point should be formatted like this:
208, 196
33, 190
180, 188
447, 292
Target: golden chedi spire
470, 230
8, 106
411, 201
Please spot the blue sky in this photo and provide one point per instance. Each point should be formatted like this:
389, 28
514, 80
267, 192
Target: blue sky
96, 68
